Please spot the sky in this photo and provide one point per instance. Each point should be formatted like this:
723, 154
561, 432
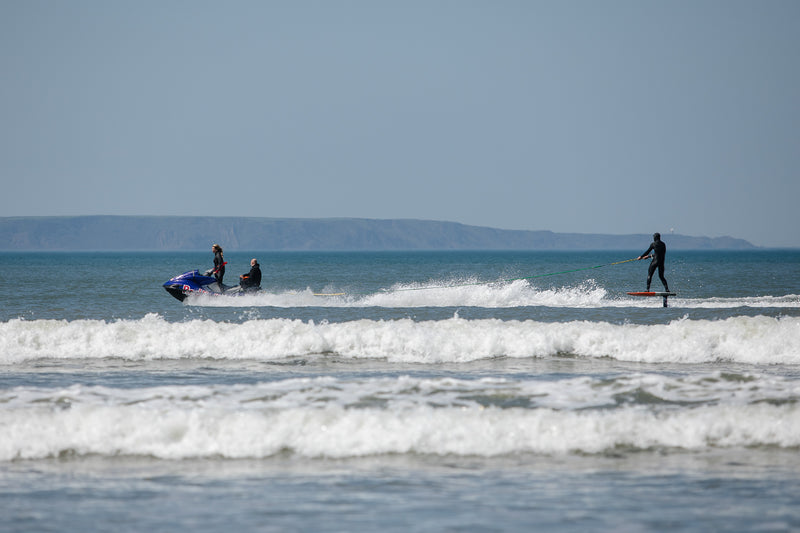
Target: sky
579, 116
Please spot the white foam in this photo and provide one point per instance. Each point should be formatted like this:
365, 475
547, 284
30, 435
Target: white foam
461, 293
472, 293
742, 339
326, 417
789, 301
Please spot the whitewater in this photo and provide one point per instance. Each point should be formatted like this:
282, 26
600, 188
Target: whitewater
333, 417
457, 293
750, 340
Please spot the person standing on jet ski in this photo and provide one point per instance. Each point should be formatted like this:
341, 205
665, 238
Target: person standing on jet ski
219, 263
252, 280
659, 250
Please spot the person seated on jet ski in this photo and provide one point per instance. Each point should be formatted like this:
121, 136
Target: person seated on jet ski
252, 280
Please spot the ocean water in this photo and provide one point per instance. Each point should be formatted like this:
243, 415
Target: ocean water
442, 391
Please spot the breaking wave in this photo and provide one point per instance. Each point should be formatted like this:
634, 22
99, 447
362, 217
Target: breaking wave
741, 339
328, 417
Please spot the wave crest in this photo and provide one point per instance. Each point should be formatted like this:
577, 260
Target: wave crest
741, 339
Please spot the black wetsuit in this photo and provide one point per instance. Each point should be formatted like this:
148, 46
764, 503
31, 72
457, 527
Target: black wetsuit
219, 267
659, 250
252, 280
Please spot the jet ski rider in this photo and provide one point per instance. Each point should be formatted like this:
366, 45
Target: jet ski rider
252, 280
219, 263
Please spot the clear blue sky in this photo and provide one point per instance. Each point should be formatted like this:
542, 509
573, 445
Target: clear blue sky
573, 116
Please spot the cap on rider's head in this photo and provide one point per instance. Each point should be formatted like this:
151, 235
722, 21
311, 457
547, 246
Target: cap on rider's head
656, 236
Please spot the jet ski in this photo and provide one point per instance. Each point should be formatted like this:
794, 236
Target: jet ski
193, 282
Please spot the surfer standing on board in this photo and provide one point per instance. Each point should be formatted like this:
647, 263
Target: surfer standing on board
659, 250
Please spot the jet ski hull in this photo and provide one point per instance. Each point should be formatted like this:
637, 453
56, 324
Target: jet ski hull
192, 282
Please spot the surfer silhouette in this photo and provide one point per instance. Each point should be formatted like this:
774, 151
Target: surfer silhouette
659, 250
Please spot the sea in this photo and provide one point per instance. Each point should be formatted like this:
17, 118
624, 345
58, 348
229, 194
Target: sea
442, 391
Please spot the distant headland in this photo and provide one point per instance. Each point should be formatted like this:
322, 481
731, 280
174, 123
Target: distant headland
179, 233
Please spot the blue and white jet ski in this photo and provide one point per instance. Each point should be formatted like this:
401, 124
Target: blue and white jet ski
193, 282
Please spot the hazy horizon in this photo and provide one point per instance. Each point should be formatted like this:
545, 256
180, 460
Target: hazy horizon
620, 117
